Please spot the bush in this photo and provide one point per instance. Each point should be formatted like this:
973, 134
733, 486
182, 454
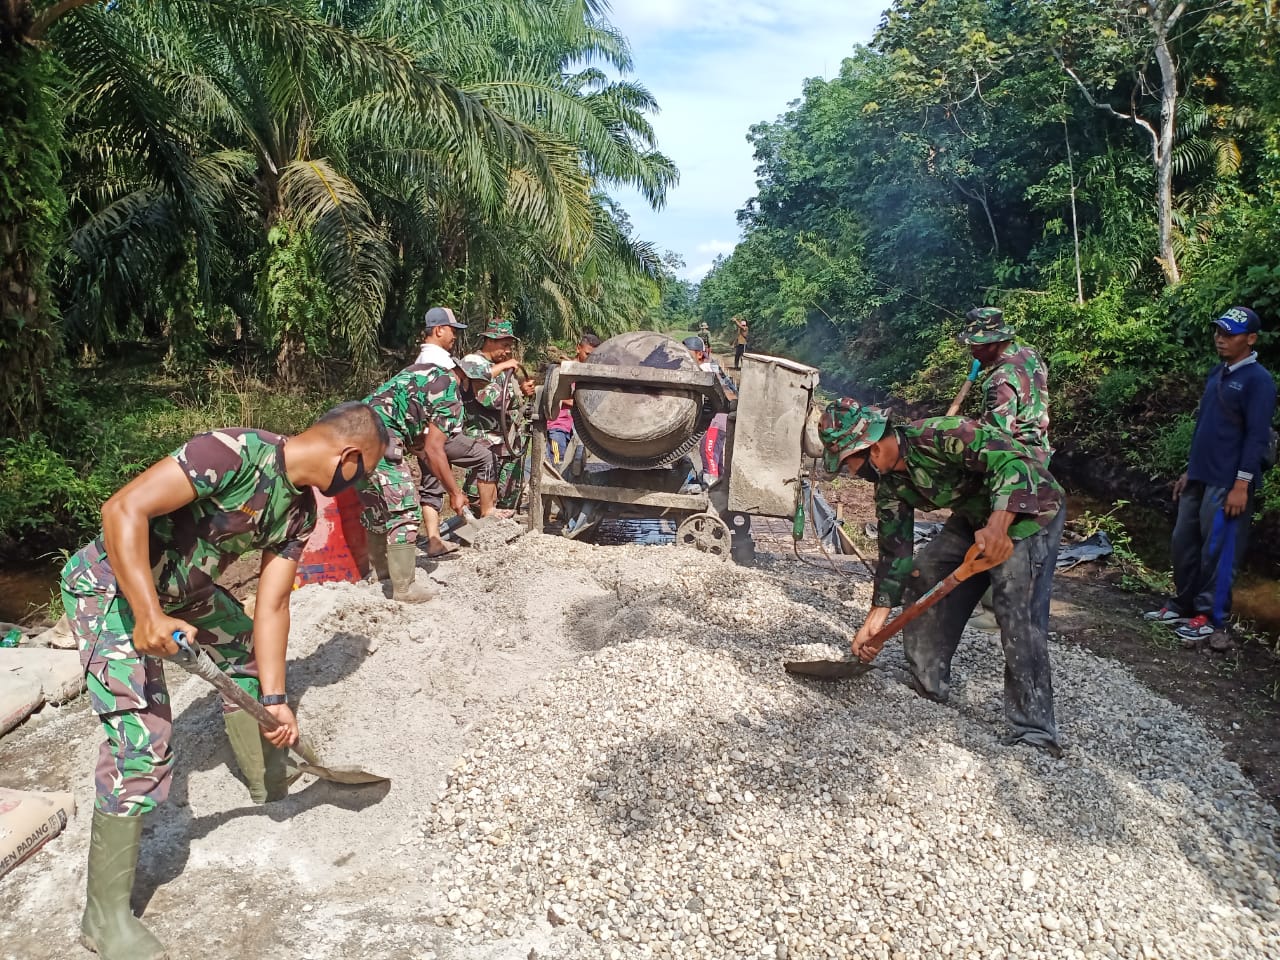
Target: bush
1171, 447
52, 487
1118, 389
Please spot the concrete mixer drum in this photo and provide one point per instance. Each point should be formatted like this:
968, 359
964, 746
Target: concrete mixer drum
641, 426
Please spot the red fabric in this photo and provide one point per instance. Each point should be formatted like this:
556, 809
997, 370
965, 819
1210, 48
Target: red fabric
338, 550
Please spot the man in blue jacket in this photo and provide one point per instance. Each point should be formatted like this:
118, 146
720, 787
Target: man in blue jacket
1215, 495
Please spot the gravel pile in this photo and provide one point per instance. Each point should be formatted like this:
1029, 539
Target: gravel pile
677, 795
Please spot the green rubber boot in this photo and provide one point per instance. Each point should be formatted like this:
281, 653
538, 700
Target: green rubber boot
402, 561
378, 556
109, 927
266, 768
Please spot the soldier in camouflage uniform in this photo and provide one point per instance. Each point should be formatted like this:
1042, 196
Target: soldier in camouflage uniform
495, 413
421, 408
166, 537
1015, 390
1001, 498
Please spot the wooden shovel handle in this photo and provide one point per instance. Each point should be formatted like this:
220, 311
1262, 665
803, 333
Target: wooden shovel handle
974, 562
958, 402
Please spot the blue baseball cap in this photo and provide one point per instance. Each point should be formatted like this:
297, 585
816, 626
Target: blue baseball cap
1239, 320
442, 317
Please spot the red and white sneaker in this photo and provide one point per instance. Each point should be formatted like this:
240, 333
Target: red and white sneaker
1165, 615
1195, 628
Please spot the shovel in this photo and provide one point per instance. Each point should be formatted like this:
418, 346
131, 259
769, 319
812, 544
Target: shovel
465, 527
197, 663
974, 562
965, 387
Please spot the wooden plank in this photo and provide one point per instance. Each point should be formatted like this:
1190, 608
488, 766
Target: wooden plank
537, 507
624, 495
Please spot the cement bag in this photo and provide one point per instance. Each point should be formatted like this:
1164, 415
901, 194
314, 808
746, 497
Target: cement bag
28, 821
20, 697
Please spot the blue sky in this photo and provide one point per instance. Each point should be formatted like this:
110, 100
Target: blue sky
716, 67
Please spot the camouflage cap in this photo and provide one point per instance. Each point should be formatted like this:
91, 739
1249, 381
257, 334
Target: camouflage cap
986, 325
846, 428
498, 329
476, 367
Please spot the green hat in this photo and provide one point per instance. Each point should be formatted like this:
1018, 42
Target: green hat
498, 329
476, 367
986, 325
846, 428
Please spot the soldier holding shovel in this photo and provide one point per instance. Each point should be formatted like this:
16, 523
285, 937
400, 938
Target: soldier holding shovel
1001, 499
166, 537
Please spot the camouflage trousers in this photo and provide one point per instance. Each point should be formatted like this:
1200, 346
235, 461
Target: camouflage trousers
390, 501
510, 478
128, 691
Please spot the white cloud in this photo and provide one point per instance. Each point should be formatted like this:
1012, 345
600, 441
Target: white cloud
715, 247
716, 68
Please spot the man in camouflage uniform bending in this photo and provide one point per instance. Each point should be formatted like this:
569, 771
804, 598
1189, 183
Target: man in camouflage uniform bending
494, 414
166, 537
421, 408
1001, 498
1015, 390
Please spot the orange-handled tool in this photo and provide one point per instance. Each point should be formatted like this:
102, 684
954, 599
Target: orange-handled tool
974, 563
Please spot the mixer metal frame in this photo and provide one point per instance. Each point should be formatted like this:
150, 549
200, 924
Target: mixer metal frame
559, 386
776, 403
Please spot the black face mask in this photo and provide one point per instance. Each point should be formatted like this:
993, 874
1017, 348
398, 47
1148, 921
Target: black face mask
339, 482
868, 472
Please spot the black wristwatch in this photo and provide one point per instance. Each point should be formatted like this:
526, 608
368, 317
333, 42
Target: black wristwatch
274, 699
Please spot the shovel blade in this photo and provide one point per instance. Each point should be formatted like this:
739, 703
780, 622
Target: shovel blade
826, 669
348, 775
310, 763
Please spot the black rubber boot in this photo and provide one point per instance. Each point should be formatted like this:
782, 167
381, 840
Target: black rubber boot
109, 927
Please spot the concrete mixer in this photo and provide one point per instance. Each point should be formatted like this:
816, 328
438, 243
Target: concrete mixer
640, 405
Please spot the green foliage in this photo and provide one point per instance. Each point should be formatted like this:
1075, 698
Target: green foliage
295, 307
1135, 575
32, 206
1118, 388
282, 178
1168, 452
956, 161
53, 486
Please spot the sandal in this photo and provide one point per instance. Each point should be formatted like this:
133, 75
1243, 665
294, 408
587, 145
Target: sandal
448, 553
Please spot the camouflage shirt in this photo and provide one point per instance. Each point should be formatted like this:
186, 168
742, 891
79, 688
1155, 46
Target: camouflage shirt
418, 395
1016, 398
969, 468
498, 401
244, 501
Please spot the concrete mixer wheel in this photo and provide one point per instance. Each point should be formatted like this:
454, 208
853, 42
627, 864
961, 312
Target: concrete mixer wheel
706, 533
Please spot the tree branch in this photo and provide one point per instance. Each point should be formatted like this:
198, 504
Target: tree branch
50, 15
1108, 108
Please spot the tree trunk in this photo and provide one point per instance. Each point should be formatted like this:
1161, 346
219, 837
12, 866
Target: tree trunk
1075, 223
1164, 143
